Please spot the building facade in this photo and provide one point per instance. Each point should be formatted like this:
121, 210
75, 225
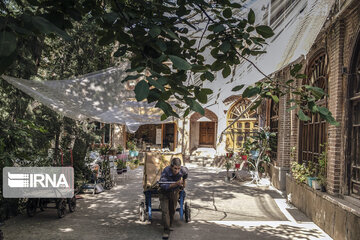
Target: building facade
332, 64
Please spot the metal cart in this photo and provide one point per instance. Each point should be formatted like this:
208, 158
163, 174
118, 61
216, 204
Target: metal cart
58, 203
146, 209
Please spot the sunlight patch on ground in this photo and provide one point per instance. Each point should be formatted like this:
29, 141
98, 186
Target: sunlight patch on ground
66, 229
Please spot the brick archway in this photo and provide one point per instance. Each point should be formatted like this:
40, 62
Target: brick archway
208, 114
203, 129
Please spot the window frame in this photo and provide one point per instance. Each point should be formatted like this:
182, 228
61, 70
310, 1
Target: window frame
313, 133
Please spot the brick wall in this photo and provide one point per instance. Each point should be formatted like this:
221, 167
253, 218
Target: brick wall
339, 40
335, 53
284, 132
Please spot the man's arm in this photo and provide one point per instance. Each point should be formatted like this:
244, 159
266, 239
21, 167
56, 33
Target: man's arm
175, 184
166, 186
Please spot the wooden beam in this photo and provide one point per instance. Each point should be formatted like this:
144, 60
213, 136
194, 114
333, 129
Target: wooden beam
162, 135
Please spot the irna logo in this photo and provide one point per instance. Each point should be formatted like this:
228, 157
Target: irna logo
38, 182
18, 180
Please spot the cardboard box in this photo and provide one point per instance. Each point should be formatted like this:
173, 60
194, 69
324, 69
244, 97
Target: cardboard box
154, 165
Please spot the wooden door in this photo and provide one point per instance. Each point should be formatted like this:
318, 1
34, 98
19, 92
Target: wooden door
207, 133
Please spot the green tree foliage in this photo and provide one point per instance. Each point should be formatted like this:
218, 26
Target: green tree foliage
29, 130
155, 36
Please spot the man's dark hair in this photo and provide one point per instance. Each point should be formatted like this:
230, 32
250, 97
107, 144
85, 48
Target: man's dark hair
176, 162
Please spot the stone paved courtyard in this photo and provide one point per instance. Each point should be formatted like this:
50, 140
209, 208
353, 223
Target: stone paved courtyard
219, 211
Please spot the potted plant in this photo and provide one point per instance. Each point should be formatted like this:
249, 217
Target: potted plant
299, 172
132, 148
322, 168
120, 149
119, 166
311, 172
238, 162
133, 164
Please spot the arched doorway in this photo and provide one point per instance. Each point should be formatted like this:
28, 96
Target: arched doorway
245, 127
353, 163
203, 130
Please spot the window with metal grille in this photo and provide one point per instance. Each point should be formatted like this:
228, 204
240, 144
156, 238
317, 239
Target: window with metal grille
243, 128
274, 127
313, 132
354, 173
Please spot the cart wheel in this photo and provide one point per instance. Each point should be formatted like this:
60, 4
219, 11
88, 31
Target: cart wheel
43, 204
142, 212
31, 206
72, 204
187, 213
61, 208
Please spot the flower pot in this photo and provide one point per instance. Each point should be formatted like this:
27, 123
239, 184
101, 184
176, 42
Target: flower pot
237, 165
244, 157
316, 185
309, 181
119, 171
124, 169
323, 188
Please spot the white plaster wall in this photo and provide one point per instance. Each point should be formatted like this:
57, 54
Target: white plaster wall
118, 135
194, 135
183, 136
219, 109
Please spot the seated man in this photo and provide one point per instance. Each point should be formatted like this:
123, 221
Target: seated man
171, 180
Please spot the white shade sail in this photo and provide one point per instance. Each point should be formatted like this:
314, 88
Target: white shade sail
98, 96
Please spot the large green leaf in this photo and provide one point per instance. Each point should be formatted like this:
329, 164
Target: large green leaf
161, 44
141, 90
167, 109
251, 17
209, 76
291, 108
171, 34
225, 47
180, 63
264, 31
155, 31
207, 91
302, 116
217, 65
187, 111
326, 114
316, 91
250, 91
227, 13
237, 88
155, 84
226, 71
219, 28
7, 43
201, 96
44, 26
197, 107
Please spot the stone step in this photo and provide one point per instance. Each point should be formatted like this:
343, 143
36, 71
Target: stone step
202, 161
